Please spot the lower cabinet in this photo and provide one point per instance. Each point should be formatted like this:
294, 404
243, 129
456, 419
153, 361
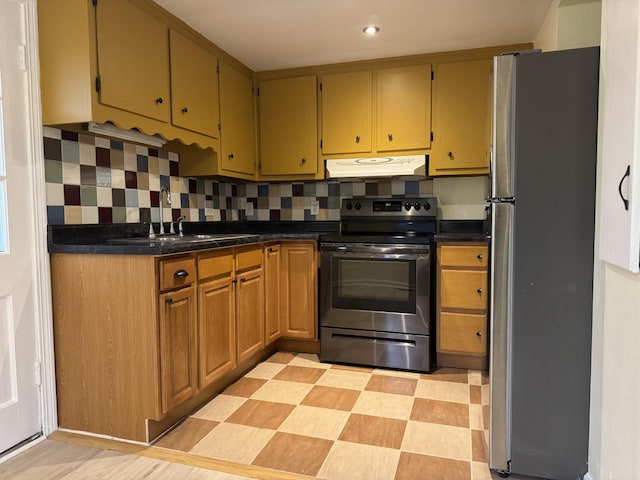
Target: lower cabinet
272, 295
299, 283
461, 305
250, 316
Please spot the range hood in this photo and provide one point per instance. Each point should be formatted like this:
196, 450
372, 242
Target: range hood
405, 166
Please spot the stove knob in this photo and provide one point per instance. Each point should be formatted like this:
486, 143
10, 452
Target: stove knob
349, 205
407, 206
417, 205
358, 206
427, 206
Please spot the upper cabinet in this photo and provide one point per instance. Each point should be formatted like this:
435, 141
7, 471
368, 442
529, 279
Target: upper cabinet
194, 86
237, 121
404, 108
133, 60
346, 112
462, 118
288, 126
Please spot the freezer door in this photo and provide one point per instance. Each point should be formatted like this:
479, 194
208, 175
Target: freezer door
502, 216
502, 169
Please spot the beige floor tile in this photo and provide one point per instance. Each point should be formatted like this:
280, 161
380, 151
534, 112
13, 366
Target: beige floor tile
437, 440
282, 392
446, 374
294, 453
475, 417
480, 471
396, 373
266, 370
378, 431
447, 391
437, 411
478, 450
485, 392
414, 466
220, 408
344, 379
235, 443
389, 384
281, 357
308, 360
315, 422
475, 377
384, 405
245, 387
187, 434
261, 414
355, 461
331, 397
300, 374
475, 394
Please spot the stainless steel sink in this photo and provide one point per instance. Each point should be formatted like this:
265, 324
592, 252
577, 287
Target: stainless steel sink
186, 239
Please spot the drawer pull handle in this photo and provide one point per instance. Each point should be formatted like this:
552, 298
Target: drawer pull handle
478, 334
479, 291
169, 300
181, 274
480, 256
242, 280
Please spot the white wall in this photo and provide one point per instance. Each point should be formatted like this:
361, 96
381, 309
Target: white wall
547, 38
579, 24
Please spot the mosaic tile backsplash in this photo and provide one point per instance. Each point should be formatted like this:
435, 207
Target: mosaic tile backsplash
93, 180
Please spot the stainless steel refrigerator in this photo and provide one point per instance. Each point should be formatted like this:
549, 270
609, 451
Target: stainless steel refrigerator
542, 216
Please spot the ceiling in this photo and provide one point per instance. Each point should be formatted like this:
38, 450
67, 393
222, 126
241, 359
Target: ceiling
277, 34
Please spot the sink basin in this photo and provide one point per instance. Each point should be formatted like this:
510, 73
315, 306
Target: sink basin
173, 239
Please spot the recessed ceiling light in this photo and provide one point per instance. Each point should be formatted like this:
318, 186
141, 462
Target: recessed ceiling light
371, 29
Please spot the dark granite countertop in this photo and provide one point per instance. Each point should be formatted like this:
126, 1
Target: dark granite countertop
107, 239
463, 231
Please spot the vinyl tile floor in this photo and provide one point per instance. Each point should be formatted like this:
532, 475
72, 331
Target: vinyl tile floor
294, 414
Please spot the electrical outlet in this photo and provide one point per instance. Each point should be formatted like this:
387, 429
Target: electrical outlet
208, 212
315, 207
248, 209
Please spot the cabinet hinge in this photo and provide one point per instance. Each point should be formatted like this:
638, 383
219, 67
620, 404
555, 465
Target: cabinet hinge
320, 86
258, 92
94, 3
98, 84
219, 127
38, 373
432, 136
217, 68
320, 143
433, 74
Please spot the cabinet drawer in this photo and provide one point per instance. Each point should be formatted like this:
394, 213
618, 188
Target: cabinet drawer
463, 255
463, 289
216, 264
177, 273
464, 333
249, 258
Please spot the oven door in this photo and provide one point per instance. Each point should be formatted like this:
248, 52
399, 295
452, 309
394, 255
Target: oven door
375, 287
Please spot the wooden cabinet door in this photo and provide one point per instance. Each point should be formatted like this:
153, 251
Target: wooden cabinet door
272, 288
194, 86
462, 120
177, 346
237, 139
133, 60
346, 112
299, 283
404, 108
288, 126
217, 329
463, 333
250, 318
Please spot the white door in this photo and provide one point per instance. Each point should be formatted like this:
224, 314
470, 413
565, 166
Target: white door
20, 416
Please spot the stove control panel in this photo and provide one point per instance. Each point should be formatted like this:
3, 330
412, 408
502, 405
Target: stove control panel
392, 207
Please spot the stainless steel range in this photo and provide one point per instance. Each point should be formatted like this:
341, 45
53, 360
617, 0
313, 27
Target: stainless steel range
375, 284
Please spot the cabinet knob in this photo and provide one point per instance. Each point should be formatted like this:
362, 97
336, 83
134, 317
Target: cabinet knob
270, 250
303, 161
230, 156
235, 280
450, 155
357, 138
159, 100
390, 137
181, 274
479, 291
185, 110
480, 256
478, 334
242, 280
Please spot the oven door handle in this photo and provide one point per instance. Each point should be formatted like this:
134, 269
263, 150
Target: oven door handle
375, 251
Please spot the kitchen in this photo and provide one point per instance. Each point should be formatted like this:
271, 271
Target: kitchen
481, 189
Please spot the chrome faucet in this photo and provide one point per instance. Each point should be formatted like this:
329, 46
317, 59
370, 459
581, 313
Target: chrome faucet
164, 189
179, 221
